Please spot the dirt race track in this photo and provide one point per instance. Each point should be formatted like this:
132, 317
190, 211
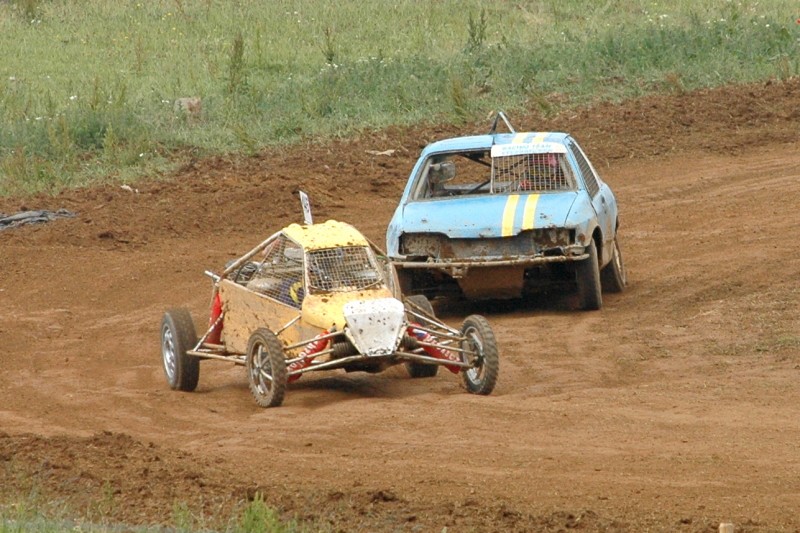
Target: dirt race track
675, 408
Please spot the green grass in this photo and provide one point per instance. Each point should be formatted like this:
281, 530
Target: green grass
32, 515
88, 89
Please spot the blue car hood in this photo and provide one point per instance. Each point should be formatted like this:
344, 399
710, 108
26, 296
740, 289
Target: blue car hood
488, 216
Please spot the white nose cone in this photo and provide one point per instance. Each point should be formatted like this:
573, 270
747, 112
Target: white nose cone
375, 327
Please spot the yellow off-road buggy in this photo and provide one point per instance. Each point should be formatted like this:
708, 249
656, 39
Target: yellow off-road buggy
321, 297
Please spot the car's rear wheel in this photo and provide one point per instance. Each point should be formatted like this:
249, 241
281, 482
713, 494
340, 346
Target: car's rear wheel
613, 277
177, 337
266, 368
420, 370
479, 338
587, 274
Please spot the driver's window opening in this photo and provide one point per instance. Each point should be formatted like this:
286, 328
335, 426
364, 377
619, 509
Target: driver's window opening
342, 269
280, 274
468, 173
456, 174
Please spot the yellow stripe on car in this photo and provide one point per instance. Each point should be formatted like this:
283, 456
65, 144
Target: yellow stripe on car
529, 211
509, 214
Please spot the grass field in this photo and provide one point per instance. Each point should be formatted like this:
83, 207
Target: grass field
88, 89
30, 515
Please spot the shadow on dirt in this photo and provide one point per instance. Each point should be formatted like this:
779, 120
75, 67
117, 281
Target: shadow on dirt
551, 302
394, 383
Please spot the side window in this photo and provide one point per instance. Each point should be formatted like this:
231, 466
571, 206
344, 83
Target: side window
589, 176
454, 174
280, 275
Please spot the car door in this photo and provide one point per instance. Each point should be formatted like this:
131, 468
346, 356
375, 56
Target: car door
603, 200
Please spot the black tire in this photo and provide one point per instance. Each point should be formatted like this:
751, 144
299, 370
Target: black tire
613, 277
177, 337
405, 281
482, 378
266, 368
414, 369
587, 273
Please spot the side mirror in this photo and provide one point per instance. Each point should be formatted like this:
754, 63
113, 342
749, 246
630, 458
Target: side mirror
442, 172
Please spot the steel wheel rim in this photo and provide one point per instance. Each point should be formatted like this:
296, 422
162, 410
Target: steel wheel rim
168, 352
261, 371
475, 374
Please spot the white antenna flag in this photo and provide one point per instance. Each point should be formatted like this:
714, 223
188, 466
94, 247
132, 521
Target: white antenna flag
306, 208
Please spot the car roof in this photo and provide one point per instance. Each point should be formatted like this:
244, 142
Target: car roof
485, 142
328, 234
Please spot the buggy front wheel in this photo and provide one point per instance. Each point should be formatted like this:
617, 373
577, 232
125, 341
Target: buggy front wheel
266, 368
480, 340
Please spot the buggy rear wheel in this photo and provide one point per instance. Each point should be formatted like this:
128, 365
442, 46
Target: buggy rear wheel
177, 337
480, 339
414, 369
266, 368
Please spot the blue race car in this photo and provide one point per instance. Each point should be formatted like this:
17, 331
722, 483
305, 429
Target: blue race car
504, 215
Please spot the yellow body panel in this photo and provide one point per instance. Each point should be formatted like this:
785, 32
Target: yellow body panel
246, 311
324, 311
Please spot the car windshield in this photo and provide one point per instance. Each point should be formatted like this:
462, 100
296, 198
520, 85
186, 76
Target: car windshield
543, 172
342, 269
476, 172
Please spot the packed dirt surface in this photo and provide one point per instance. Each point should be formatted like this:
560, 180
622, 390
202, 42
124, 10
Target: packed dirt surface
674, 408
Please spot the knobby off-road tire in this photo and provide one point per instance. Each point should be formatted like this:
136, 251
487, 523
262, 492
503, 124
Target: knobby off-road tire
587, 274
613, 277
177, 337
414, 369
266, 368
479, 337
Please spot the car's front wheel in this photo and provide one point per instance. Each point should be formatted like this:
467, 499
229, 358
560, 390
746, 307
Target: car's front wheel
266, 368
587, 273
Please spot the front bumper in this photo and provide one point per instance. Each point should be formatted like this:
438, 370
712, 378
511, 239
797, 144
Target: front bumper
459, 267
